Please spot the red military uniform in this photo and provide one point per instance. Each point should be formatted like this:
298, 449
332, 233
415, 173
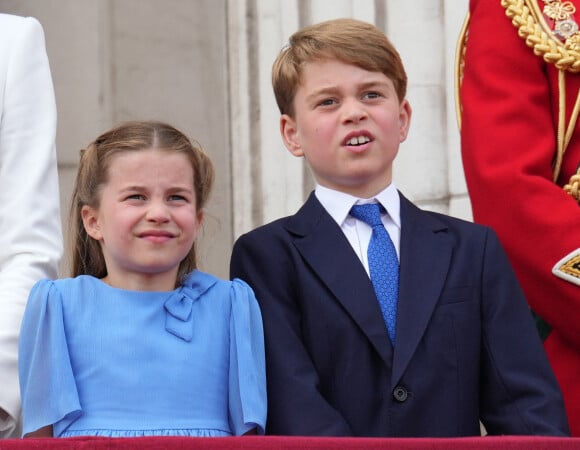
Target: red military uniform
519, 84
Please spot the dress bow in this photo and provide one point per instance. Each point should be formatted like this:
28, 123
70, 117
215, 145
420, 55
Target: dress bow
178, 317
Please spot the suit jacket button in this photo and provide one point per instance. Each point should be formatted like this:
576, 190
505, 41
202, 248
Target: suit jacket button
400, 394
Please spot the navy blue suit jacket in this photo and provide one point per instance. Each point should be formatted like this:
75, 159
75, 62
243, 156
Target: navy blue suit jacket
467, 348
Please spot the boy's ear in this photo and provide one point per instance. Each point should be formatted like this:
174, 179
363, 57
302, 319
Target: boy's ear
91, 222
405, 113
290, 135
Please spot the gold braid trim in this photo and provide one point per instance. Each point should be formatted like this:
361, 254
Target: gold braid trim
528, 19
573, 187
459, 66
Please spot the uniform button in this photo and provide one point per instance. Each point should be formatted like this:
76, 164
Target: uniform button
400, 394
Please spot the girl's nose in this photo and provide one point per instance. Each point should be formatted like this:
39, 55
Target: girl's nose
158, 212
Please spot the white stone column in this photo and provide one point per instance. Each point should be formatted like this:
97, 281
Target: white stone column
459, 204
358, 9
267, 181
416, 30
92, 46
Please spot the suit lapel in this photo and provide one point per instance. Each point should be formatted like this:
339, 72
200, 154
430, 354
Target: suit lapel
425, 257
340, 270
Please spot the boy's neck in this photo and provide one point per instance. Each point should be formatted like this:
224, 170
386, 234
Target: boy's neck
365, 192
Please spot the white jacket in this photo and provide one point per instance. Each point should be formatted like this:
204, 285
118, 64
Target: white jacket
30, 227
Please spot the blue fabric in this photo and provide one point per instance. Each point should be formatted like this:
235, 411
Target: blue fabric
383, 263
96, 360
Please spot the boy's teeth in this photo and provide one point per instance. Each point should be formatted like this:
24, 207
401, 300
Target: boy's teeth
358, 140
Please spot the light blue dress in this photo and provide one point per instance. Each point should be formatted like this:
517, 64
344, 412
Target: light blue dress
101, 361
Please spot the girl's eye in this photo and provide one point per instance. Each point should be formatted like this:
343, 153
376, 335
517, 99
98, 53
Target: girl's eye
136, 197
176, 198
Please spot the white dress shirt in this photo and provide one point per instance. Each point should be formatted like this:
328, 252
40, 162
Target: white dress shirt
358, 233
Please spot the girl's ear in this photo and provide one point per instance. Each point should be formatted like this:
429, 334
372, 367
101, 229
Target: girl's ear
198, 222
91, 223
290, 135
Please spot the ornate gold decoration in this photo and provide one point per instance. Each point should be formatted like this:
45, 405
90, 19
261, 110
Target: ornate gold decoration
574, 42
566, 29
532, 27
548, 44
568, 268
558, 10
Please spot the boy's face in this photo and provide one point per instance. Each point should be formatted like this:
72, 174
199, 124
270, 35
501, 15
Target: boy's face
348, 124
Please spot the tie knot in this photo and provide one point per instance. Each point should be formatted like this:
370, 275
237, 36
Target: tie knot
369, 213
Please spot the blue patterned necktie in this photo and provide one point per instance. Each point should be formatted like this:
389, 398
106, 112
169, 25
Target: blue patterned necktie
383, 263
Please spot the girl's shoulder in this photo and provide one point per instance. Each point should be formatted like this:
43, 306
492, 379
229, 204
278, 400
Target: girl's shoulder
60, 296
81, 281
202, 282
64, 288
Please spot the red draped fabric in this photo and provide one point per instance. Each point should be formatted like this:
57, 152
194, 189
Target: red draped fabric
293, 443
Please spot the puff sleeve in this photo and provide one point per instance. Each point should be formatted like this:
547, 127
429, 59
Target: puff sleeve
247, 377
47, 384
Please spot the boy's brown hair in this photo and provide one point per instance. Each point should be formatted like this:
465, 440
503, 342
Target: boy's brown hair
348, 40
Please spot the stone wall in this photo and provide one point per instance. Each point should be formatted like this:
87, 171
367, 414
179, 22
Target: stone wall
204, 66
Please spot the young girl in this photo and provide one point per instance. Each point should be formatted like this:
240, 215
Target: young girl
139, 342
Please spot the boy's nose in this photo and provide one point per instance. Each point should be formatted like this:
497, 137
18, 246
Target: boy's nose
354, 111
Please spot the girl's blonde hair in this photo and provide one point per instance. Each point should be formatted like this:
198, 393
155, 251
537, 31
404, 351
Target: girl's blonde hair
93, 173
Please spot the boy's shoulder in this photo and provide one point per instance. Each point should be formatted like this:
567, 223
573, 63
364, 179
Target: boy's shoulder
301, 222
459, 229
275, 230
455, 222
312, 214
410, 211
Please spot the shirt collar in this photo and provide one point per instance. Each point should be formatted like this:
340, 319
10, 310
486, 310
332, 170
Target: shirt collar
338, 204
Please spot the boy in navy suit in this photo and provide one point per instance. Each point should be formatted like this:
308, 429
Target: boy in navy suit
456, 343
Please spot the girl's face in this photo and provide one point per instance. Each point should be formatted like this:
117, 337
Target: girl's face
147, 220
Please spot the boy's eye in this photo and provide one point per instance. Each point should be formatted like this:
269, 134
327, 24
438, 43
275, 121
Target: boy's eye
372, 95
327, 102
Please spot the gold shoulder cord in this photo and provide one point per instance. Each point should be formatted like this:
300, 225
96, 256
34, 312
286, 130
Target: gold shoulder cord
560, 47
459, 65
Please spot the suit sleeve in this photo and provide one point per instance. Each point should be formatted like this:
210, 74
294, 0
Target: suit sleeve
30, 233
295, 403
519, 393
509, 135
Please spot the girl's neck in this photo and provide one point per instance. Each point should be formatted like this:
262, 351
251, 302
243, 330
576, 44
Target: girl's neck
141, 282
